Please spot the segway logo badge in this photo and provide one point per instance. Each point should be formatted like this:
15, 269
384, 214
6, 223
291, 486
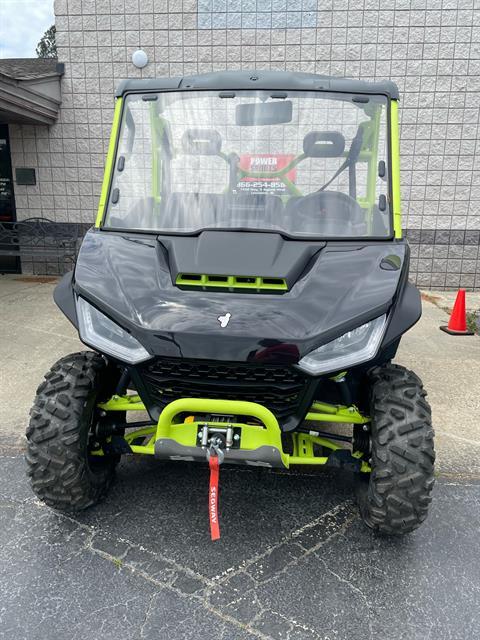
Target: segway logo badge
224, 320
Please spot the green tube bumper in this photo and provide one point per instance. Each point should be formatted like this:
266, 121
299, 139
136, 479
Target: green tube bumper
257, 444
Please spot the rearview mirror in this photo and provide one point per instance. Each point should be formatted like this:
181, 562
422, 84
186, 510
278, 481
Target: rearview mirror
263, 113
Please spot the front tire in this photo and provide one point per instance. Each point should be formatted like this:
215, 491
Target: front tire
62, 472
398, 494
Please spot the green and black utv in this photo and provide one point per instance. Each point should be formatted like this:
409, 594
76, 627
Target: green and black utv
245, 286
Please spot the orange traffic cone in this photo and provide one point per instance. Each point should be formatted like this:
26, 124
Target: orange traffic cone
457, 325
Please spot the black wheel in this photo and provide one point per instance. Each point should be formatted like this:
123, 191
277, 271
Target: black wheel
394, 499
62, 471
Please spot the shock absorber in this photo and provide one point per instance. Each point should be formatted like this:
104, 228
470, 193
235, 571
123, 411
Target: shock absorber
361, 438
343, 387
123, 382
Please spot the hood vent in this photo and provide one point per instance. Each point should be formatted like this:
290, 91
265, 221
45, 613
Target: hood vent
246, 284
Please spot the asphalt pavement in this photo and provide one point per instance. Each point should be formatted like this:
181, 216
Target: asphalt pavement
294, 561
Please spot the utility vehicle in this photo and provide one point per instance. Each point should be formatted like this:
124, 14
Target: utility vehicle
245, 285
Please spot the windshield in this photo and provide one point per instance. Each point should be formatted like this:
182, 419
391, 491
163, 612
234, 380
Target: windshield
305, 164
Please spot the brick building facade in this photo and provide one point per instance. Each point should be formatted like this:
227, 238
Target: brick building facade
430, 48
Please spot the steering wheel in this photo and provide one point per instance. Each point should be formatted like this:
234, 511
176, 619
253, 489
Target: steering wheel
327, 212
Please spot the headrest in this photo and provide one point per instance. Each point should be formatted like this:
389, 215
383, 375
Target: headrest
201, 142
323, 144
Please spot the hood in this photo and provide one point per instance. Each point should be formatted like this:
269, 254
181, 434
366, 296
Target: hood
331, 288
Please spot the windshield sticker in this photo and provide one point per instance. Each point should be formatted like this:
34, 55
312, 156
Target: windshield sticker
260, 165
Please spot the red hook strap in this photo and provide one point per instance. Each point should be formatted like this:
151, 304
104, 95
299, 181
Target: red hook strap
213, 497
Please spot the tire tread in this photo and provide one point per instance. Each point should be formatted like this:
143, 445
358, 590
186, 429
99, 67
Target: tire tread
398, 495
56, 444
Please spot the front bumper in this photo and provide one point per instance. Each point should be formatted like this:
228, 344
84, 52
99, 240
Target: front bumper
259, 437
258, 445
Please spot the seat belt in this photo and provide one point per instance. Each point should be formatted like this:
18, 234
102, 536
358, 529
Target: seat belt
350, 162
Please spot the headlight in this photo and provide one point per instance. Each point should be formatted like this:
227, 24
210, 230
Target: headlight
354, 347
103, 334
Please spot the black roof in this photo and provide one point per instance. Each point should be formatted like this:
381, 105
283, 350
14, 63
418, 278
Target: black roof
269, 80
30, 68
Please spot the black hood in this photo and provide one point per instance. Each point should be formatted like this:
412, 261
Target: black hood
332, 288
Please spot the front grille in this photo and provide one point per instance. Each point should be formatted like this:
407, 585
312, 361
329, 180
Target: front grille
276, 387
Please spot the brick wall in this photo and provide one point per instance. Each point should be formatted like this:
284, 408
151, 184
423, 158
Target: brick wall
431, 48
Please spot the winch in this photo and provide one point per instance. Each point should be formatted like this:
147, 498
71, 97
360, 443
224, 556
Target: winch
222, 438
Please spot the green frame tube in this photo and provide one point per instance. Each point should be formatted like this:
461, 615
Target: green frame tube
323, 412
123, 403
373, 128
395, 168
156, 137
158, 126
109, 164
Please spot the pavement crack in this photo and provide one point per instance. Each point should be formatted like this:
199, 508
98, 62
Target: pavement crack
159, 585
311, 550
238, 623
132, 545
200, 600
148, 611
172, 563
295, 625
353, 588
469, 441
55, 334
291, 537
251, 592
460, 477
344, 580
